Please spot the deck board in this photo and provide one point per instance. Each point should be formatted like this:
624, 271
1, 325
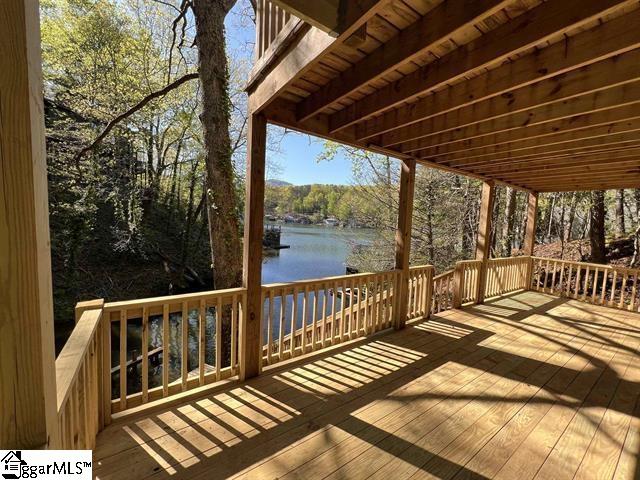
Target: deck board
525, 386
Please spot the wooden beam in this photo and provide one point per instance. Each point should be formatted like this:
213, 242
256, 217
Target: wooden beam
574, 171
570, 139
331, 16
302, 56
283, 113
435, 27
483, 242
250, 338
28, 412
604, 81
322, 14
598, 43
614, 141
551, 130
403, 236
550, 19
543, 165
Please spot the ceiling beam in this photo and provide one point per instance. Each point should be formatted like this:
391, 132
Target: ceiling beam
574, 161
620, 96
283, 113
302, 56
550, 130
331, 16
613, 143
560, 140
436, 26
533, 27
606, 74
571, 171
603, 41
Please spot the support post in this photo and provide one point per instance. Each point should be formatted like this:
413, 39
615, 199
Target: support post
250, 361
28, 405
403, 236
530, 235
483, 243
458, 284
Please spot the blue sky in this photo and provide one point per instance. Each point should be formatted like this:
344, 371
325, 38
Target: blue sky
298, 157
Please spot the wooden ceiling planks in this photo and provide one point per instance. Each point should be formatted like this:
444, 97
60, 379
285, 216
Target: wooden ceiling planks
540, 95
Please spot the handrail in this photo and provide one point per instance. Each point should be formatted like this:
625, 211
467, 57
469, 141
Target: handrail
309, 315
78, 383
606, 285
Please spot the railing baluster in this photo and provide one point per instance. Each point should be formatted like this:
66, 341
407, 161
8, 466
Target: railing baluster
145, 354
166, 346
270, 328
294, 321
305, 300
596, 276
314, 320
632, 302
184, 348
613, 287
623, 289
202, 340
283, 304
219, 321
123, 359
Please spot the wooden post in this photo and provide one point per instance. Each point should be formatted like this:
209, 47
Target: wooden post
530, 234
458, 284
483, 243
28, 416
403, 236
250, 359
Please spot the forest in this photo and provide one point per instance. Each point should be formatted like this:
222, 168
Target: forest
146, 136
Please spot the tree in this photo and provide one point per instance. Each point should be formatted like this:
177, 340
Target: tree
620, 224
597, 227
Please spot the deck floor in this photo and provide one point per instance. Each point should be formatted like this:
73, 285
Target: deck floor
525, 386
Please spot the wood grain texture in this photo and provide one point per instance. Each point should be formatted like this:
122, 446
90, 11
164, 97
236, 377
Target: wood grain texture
27, 372
522, 385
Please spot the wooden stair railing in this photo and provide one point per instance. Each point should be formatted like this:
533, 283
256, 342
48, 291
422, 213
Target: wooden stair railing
79, 384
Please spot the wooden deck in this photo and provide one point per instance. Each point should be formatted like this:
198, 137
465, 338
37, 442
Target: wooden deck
525, 386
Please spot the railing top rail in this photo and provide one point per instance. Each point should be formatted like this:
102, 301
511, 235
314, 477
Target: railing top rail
421, 267
443, 274
171, 299
302, 283
71, 357
505, 259
468, 262
590, 265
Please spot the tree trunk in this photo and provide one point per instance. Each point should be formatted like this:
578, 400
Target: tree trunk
620, 227
568, 232
597, 225
222, 205
509, 222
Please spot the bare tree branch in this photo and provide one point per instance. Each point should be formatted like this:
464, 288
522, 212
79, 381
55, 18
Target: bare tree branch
138, 106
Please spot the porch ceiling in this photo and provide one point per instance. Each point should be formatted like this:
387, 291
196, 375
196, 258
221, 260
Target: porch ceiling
544, 96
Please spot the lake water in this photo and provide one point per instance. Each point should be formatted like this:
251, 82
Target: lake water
315, 252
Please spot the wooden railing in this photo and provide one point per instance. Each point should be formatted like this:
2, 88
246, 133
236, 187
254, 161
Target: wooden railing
420, 287
505, 275
306, 316
443, 292
273, 24
606, 285
180, 342
466, 281
78, 381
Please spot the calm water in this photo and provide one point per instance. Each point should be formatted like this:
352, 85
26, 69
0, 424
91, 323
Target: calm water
315, 252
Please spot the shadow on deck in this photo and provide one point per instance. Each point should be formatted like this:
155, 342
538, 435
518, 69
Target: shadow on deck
525, 386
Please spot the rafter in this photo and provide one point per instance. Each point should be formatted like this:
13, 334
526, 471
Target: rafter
603, 41
430, 30
602, 76
550, 130
528, 30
